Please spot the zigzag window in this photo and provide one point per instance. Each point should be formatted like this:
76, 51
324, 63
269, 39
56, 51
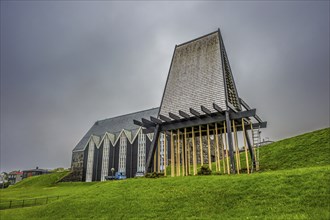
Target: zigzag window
105, 158
90, 159
122, 155
141, 153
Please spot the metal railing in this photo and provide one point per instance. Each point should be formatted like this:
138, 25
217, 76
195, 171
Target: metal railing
20, 203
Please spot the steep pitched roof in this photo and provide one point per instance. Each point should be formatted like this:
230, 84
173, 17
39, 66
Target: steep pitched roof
199, 75
115, 125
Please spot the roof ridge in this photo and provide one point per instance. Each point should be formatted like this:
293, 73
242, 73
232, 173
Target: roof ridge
118, 116
179, 45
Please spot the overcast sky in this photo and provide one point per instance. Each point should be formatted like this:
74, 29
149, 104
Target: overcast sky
65, 65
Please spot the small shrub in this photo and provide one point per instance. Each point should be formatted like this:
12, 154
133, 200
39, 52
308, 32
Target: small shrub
205, 170
154, 175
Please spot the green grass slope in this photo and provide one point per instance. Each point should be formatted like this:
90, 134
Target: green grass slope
294, 194
306, 150
39, 181
297, 189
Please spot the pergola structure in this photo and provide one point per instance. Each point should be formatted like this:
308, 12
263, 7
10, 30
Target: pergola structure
200, 99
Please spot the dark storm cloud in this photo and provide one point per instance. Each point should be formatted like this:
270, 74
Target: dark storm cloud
65, 65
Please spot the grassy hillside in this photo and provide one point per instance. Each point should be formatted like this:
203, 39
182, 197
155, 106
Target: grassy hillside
297, 189
306, 150
37, 181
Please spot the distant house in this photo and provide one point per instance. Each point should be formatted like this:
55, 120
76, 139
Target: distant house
15, 177
34, 172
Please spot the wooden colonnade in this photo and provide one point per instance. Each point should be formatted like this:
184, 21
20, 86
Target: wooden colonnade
182, 163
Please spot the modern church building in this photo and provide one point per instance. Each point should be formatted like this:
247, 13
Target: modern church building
113, 143
197, 123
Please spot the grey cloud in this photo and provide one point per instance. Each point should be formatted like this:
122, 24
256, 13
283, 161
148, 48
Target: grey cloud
65, 65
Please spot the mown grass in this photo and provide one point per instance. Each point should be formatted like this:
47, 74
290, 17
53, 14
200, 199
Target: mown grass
41, 186
306, 150
297, 190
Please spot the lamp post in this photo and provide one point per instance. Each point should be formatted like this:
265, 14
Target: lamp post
112, 170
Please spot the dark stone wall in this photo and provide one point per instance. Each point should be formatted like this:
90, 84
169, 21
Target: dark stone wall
77, 165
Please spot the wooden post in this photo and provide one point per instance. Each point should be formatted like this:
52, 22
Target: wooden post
185, 152
155, 161
158, 156
239, 155
209, 146
178, 154
217, 148
165, 153
236, 147
246, 152
222, 146
201, 145
194, 152
224, 132
183, 157
172, 156
188, 153
215, 151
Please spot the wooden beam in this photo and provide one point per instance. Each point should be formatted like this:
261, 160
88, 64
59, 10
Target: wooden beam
185, 152
155, 161
173, 116
152, 149
178, 154
138, 123
182, 158
194, 152
222, 146
209, 146
217, 108
227, 157
245, 105
250, 147
194, 112
147, 122
188, 156
201, 145
174, 125
258, 119
243, 114
172, 156
215, 151
205, 110
183, 114
164, 118
155, 120
165, 153
217, 147
245, 148
230, 144
237, 154
192, 123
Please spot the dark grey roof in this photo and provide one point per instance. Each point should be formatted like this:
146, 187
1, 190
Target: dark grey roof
115, 125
